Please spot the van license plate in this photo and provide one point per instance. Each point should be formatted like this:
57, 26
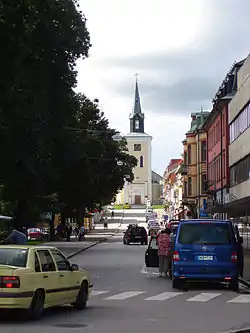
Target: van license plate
205, 257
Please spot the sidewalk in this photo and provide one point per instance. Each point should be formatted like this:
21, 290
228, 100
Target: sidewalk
74, 247
246, 274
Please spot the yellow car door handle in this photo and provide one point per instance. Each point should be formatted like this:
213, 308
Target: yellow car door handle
61, 275
45, 276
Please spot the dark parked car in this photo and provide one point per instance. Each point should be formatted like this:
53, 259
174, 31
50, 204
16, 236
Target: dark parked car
135, 234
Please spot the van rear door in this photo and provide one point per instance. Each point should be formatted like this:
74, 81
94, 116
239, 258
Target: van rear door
209, 245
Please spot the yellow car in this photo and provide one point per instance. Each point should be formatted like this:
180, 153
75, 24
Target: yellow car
38, 277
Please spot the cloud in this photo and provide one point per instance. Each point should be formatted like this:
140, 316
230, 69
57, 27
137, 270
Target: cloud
181, 80
182, 51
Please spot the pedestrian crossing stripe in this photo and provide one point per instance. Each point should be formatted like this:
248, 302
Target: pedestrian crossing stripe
201, 297
126, 294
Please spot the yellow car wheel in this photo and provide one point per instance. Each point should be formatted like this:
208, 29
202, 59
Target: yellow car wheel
37, 305
82, 297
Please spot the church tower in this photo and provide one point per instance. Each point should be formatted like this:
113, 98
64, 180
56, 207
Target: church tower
139, 192
137, 117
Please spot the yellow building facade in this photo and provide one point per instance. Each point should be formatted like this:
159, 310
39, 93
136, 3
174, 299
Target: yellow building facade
194, 168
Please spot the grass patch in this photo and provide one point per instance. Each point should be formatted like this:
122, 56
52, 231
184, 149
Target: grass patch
35, 242
158, 206
117, 207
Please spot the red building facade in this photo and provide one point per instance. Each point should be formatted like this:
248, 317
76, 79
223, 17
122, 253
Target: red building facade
218, 174
217, 147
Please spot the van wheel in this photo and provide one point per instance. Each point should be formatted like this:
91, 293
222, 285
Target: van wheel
234, 285
82, 297
176, 284
37, 305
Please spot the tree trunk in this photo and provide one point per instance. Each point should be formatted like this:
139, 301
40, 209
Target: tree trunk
21, 214
52, 227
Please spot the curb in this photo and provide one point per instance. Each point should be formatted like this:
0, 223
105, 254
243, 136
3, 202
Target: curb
89, 246
95, 243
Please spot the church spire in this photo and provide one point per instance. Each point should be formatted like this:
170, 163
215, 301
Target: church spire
137, 117
137, 104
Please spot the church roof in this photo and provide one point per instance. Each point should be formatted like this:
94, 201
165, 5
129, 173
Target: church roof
137, 103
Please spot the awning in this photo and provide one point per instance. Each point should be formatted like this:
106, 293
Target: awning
235, 208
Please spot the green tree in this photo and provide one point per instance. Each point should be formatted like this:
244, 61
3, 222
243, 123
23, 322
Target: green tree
41, 41
94, 175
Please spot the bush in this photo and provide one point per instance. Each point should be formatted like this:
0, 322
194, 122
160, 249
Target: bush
126, 206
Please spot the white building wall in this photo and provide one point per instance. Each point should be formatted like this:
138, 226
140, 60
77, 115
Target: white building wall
142, 183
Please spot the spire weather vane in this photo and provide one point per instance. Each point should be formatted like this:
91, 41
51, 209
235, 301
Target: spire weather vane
136, 76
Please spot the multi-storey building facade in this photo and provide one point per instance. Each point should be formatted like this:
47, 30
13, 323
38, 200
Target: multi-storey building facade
239, 148
217, 129
194, 167
173, 188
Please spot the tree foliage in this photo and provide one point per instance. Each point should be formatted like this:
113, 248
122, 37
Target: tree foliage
52, 141
95, 176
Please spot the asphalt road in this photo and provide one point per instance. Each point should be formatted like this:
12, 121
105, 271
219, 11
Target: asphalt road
129, 298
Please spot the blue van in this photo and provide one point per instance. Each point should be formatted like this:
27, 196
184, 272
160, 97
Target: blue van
206, 250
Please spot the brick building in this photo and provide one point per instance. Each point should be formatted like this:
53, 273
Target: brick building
217, 130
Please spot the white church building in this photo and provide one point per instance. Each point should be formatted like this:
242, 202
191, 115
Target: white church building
139, 191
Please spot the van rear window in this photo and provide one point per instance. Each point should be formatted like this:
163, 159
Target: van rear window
205, 233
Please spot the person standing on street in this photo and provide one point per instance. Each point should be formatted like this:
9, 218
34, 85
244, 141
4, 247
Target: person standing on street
106, 223
16, 237
164, 246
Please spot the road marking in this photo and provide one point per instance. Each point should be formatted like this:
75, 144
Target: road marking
163, 296
240, 299
125, 295
203, 297
97, 292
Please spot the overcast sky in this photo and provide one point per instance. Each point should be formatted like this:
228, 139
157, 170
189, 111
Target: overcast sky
182, 51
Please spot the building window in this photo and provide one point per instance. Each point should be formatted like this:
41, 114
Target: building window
203, 151
137, 124
137, 147
223, 167
240, 123
185, 158
141, 161
189, 186
223, 125
203, 184
185, 189
189, 151
240, 172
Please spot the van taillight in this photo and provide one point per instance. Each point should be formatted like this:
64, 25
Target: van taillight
234, 257
9, 282
176, 256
